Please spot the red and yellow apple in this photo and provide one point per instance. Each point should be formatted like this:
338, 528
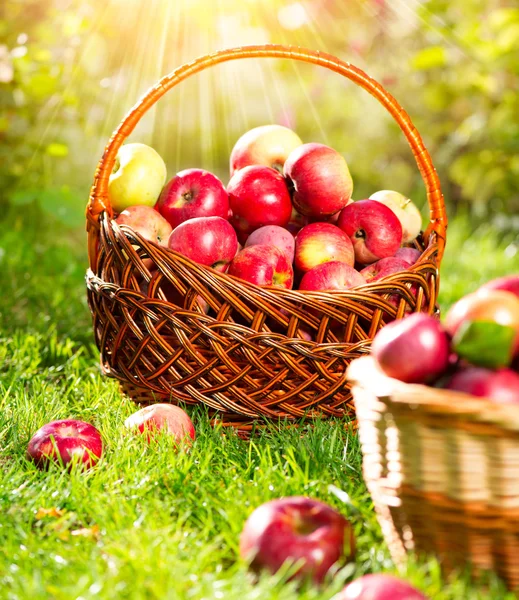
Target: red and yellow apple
146, 221
263, 265
383, 267
164, 418
318, 243
273, 235
333, 275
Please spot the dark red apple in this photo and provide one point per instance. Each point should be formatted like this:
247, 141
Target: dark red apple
263, 265
321, 180
379, 586
333, 275
273, 235
191, 194
383, 267
409, 255
267, 145
501, 385
373, 228
508, 283
163, 417
258, 196
322, 242
296, 530
208, 241
415, 349
66, 441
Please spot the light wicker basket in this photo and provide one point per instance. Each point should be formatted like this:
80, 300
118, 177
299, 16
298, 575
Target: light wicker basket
244, 359
442, 468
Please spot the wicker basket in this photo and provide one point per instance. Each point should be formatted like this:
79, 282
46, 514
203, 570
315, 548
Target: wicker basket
247, 357
443, 471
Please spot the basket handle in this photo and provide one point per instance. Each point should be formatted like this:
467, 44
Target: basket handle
100, 201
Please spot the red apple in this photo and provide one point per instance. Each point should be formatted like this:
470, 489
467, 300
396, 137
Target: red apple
406, 211
415, 349
321, 180
508, 283
373, 228
501, 386
191, 194
263, 265
333, 275
268, 145
409, 255
273, 235
208, 241
296, 530
379, 587
322, 242
163, 417
258, 196
383, 267
146, 221
66, 441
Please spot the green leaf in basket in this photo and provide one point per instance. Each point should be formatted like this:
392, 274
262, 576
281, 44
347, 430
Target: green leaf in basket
485, 343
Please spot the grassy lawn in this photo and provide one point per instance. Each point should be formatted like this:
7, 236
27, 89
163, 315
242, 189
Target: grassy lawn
147, 522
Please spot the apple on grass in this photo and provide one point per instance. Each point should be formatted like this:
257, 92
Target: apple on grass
333, 275
273, 235
407, 212
68, 442
415, 349
320, 178
193, 193
208, 241
138, 176
301, 531
166, 418
318, 243
263, 264
383, 267
373, 228
258, 196
267, 145
379, 586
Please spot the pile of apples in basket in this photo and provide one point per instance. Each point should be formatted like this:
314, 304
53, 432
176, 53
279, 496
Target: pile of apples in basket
286, 218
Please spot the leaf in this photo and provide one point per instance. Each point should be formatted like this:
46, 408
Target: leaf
485, 343
429, 58
49, 512
57, 150
87, 532
22, 197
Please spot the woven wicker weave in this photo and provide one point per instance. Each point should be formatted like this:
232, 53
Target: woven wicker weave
247, 357
442, 468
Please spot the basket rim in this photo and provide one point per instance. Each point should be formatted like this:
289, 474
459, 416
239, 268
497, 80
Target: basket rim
365, 373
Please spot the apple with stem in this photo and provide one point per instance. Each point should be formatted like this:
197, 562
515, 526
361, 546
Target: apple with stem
373, 228
296, 530
267, 145
166, 418
193, 193
138, 176
406, 211
263, 264
320, 178
208, 241
66, 442
318, 243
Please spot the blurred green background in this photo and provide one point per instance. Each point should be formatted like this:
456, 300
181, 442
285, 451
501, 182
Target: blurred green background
70, 70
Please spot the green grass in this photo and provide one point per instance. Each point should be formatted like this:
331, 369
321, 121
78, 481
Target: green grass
149, 522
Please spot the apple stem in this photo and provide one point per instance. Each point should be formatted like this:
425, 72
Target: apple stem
360, 234
188, 196
117, 165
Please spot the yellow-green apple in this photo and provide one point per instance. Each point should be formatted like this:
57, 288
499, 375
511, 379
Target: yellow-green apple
296, 530
318, 243
501, 385
258, 196
138, 176
407, 212
267, 145
508, 283
193, 193
68, 442
166, 418
321, 180
379, 586
408, 255
146, 221
373, 228
332, 275
415, 349
275, 236
383, 267
208, 241
263, 265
